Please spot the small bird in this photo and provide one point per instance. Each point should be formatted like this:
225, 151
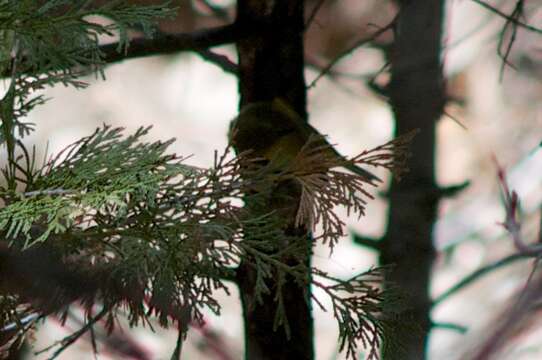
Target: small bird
274, 131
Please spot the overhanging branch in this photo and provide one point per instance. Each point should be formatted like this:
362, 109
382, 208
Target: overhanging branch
163, 44
173, 43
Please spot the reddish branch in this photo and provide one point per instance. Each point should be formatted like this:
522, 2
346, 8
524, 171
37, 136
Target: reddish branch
511, 222
513, 225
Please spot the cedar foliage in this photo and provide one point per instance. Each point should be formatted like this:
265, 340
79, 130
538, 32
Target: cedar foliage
115, 223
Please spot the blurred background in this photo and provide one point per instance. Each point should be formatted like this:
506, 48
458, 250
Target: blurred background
495, 113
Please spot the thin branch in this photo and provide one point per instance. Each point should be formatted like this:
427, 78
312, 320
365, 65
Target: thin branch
513, 226
475, 275
516, 14
530, 277
367, 242
508, 17
116, 341
176, 355
173, 43
70, 339
353, 47
456, 120
516, 320
313, 13
453, 190
165, 43
450, 326
511, 223
222, 61
48, 192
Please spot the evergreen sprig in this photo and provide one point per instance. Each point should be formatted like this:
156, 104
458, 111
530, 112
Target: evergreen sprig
60, 35
114, 222
164, 233
167, 235
43, 43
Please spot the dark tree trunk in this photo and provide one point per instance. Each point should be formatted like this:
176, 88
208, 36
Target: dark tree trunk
271, 65
417, 98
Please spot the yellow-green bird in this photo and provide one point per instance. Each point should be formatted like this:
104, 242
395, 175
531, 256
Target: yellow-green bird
274, 131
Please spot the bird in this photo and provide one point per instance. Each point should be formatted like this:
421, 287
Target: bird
274, 131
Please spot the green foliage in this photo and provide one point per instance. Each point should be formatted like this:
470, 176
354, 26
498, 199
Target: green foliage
95, 173
145, 232
57, 41
364, 312
60, 35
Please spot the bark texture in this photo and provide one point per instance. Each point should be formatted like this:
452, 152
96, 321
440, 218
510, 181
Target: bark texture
271, 65
417, 98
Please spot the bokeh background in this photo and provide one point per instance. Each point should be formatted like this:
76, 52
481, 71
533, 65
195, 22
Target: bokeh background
494, 115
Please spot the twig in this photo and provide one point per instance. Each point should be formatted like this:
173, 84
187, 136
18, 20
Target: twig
516, 14
48, 192
450, 326
313, 14
475, 275
530, 277
173, 43
222, 61
176, 355
354, 46
114, 341
516, 319
67, 341
368, 242
452, 190
164, 44
20, 322
508, 17
511, 223
513, 226
454, 119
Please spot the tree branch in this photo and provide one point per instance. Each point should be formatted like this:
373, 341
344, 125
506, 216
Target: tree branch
475, 275
371, 243
222, 61
508, 18
449, 326
173, 43
313, 13
351, 48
